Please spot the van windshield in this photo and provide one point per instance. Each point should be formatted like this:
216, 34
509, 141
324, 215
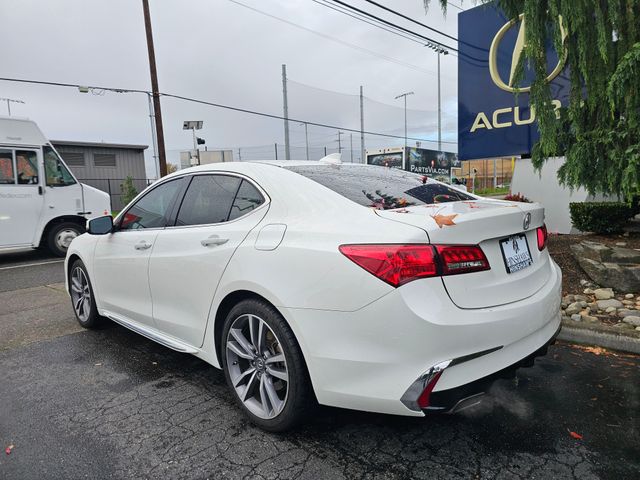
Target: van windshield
56, 171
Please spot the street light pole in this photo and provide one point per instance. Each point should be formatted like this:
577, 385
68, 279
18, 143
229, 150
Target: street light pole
9, 102
436, 47
405, 95
306, 137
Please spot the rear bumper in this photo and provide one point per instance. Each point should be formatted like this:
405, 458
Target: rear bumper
464, 396
369, 358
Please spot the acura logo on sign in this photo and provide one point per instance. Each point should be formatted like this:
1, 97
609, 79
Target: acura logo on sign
527, 221
517, 52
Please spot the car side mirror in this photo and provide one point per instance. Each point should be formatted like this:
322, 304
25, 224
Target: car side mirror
100, 225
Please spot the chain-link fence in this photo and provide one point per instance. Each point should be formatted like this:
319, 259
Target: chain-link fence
115, 188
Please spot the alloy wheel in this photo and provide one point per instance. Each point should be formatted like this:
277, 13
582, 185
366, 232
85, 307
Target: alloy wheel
80, 294
257, 366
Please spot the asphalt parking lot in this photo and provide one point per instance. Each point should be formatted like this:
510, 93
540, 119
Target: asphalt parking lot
111, 404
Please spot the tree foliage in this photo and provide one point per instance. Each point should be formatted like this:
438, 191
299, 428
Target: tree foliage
599, 130
128, 190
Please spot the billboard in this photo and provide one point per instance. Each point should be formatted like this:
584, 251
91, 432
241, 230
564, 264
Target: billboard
492, 120
431, 162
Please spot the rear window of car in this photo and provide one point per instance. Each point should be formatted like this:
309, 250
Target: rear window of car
382, 188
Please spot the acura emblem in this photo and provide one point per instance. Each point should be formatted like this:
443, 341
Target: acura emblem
527, 221
517, 52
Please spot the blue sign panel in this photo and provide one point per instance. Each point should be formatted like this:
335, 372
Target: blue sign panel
492, 120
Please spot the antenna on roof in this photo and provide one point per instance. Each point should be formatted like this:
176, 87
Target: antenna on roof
332, 158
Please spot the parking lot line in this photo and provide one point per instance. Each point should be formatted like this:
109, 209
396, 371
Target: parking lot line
31, 264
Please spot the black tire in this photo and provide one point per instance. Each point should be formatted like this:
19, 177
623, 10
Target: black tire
300, 399
92, 319
57, 241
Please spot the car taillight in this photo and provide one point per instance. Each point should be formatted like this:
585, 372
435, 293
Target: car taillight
542, 237
394, 264
400, 264
462, 259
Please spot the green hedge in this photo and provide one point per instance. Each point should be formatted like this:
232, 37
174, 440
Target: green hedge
600, 217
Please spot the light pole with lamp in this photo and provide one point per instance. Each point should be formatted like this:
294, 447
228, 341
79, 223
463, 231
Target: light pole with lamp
193, 125
9, 102
439, 51
405, 95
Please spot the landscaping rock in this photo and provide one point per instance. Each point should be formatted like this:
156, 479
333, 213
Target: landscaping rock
604, 304
610, 310
614, 267
588, 291
589, 318
580, 298
603, 293
626, 313
573, 308
576, 317
629, 296
632, 320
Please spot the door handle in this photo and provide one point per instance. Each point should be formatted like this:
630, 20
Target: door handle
213, 241
142, 245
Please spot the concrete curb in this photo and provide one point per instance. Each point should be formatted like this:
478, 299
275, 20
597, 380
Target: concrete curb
601, 338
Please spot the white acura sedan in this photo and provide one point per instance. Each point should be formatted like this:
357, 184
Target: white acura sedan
355, 286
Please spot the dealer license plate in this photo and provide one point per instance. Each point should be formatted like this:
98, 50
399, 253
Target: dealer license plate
515, 252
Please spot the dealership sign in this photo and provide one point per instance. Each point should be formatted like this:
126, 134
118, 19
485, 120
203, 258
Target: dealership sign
492, 120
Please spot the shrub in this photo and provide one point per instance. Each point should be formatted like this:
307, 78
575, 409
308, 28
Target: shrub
600, 217
517, 197
128, 190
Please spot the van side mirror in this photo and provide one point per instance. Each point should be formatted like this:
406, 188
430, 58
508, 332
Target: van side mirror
100, 225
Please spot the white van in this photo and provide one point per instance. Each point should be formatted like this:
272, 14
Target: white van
41, 203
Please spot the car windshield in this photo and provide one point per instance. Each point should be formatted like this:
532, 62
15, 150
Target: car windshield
382, 188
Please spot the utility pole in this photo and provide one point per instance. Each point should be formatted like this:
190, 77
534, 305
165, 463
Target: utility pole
339, 142
306, 137
362, 159
9, 102
239, 155
276, 148
351, 147
287, 152
162, 158
405, 95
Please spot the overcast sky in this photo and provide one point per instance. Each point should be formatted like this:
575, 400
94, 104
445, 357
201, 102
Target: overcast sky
219, 51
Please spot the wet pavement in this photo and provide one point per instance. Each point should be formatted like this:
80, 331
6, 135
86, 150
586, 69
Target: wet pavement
110, 404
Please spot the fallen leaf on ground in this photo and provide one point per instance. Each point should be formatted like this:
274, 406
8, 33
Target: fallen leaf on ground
575, 435
8, 449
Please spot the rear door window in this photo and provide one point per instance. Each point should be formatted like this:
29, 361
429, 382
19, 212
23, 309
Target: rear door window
380, 187
208, 200
247, 199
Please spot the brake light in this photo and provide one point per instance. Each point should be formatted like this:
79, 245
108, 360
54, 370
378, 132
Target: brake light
394, 264
400, 264
542, 236
462, 259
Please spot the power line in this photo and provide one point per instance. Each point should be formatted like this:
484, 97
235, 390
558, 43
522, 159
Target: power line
337, 8
391, 24
411, 19
333, 39
217, 105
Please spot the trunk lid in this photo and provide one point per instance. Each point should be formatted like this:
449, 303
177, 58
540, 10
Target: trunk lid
483, 222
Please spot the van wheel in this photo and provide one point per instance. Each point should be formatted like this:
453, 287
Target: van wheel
82, 299
61, 235
264, 366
